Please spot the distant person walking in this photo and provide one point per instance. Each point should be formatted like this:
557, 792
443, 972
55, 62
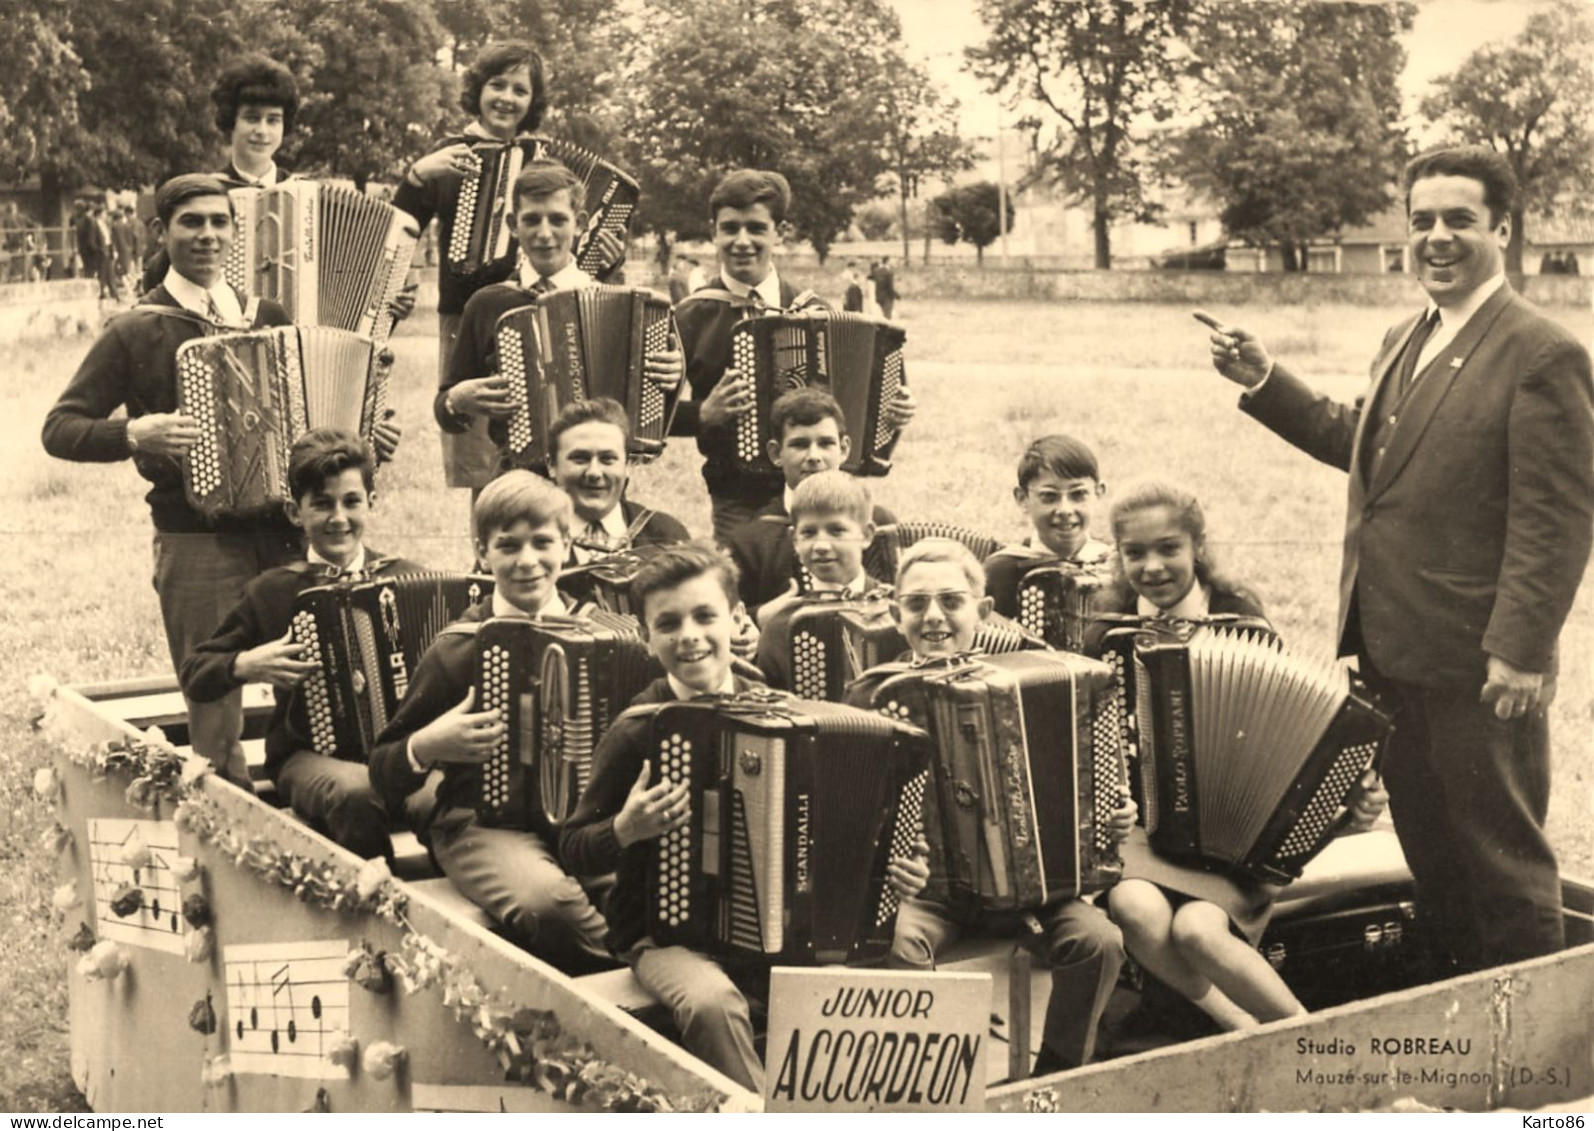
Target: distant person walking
885, 287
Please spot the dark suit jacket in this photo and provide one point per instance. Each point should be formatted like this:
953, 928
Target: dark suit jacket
1472, 534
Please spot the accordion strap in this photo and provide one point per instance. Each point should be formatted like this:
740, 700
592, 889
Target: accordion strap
643, 517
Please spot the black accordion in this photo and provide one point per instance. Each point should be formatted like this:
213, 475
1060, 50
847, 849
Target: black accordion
485, 199
1026, 775
796, 809
331, 255
834, 640
1058, 601
882, 556
577, 345
1248, 754
560, 682
367, 636
855, 359
254, 393
606, 581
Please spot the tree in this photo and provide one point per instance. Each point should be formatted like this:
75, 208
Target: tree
922, 141
1101, 72
373, 96
1529, 100
41, 80
1299, 117
970, 213
728, 84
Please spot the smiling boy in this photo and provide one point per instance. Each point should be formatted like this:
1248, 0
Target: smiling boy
549, 212
507, 868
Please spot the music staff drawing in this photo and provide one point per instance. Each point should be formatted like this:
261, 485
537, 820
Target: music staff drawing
158, 922
286, 1005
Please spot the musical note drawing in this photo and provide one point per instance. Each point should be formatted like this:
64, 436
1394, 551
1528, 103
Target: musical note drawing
158, 924
286, 1003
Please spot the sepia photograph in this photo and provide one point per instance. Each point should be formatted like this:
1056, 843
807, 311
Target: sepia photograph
741, 556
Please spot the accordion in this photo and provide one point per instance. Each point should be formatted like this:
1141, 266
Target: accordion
834, 640
856, 359
480, 235
332, 256
881, 556
254, 393
560, 682
1248, 754
1026, 776
577, 345
367, 636
606, 581
1058, 601
796, 809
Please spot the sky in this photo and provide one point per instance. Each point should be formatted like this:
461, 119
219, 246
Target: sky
1446, 32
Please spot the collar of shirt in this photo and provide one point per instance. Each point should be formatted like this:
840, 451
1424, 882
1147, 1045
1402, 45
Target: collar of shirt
1094, 550
191, 296
768, 290
272, 176
681, 691
554, 607
1192, 606
567, 278
857, 587
1452, 320
356, 566
786, 494
614, 528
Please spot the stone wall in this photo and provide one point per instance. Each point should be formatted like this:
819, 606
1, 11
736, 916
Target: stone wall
61, 308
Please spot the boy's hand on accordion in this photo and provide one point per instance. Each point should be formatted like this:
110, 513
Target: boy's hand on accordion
459, 735
1238, 354
163, 433
665, 369
907, 875
744, 645
901, 409
651, 810
729, 399
403, 304
457, 159
1122, 821
611, 250
275, 662
385, 437
1369, 803
482, 396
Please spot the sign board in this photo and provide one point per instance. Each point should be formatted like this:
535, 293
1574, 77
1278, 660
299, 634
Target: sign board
876, 1040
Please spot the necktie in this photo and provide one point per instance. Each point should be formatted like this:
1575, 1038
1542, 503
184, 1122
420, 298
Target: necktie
596, 537
212, 311
1419, 338
756, 301
542, 286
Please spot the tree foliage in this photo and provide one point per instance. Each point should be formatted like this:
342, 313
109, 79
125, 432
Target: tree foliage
41, 80
922, 142
971, 213
1298, 105
1528, 99
1101, 71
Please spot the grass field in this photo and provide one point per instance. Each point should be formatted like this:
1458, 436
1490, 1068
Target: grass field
1131, 379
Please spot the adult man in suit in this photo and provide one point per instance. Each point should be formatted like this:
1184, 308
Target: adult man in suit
1471, 503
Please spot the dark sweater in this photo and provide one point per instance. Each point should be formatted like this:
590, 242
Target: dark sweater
588, 845
134, 363
263, 614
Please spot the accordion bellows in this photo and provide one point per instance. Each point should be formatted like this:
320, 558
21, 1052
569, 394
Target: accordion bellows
576, 345
856, 359
1248, 754
331, 255
560, 682
367, 636
884, 552
254, 393
1027, 774
796, 809
480, 236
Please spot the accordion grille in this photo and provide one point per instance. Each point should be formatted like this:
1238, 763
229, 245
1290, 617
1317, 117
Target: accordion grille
373, 709
495, 692
315, 692
890, 385
904, 837
743, 925
204, 458
650, 410
1319, 812
675, 847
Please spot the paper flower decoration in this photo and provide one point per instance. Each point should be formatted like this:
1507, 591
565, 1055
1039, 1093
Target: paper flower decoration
83, 940
185, 869
135, 853
383, 1059
127, 900
46, 783
199, 945
373, 876
344, 1050
106, 960
202, 1016
217, 1071
196, 909
66, 897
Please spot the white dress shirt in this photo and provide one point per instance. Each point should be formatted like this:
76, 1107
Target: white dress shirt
1194, 605
684, 692
567, 278
768, 290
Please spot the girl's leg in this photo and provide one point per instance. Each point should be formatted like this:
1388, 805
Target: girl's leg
1144, 915
1200, 932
